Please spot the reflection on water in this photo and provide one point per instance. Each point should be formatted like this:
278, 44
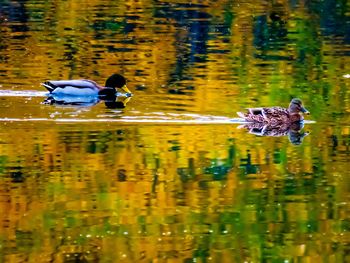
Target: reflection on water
170, 178
292, 130
99, 192
112, 102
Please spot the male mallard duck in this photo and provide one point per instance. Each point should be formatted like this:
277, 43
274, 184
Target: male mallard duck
276, 115
85, 87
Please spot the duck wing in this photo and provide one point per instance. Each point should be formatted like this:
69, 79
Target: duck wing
252, 115
275, 115
255, 111
51, 85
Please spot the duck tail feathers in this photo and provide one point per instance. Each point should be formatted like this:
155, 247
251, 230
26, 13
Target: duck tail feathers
241, 114
49, 86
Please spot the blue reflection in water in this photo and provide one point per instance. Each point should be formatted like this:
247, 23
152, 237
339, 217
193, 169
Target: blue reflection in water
192, 35
333, 18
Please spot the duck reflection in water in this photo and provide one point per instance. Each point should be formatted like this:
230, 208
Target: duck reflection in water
111, 102
292, 130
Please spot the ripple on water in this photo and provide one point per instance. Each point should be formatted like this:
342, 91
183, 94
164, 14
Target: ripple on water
136, 119
22, 93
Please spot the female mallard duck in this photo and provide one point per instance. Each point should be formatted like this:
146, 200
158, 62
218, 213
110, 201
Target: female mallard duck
85, 87
276, 115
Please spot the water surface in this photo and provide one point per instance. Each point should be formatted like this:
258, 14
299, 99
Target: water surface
172, 177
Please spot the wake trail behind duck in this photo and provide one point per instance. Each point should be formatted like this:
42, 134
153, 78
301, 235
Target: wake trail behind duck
22, 93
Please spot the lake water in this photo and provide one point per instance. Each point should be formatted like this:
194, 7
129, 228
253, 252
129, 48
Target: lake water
175, 176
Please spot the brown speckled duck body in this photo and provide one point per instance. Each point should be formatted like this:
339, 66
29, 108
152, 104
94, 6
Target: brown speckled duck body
276, 115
